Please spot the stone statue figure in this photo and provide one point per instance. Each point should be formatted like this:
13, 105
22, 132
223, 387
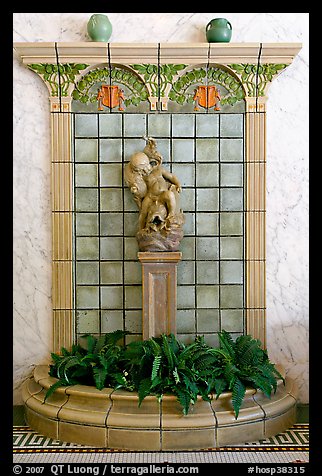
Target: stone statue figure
156, 193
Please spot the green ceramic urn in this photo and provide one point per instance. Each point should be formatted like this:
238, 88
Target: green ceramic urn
99, 27
218, 30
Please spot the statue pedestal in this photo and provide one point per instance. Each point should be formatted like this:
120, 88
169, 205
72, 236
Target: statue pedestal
159, 291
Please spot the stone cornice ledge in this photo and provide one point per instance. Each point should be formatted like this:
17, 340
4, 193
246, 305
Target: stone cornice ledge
167, 53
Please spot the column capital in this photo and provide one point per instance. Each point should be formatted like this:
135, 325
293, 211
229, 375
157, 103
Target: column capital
159, 256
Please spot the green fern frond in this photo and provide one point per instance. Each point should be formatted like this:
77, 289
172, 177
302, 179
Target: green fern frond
52, 388
184, 399
156, 366
220, 385
113, 337
176, 375
263, 384
144, 389
65, 352
100, 374
237, 396
168, 352
91, 342
230, 371
227, 343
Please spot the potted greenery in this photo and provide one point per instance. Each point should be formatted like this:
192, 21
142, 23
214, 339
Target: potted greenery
164, 365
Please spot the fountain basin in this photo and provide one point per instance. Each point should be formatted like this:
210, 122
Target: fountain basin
111, 418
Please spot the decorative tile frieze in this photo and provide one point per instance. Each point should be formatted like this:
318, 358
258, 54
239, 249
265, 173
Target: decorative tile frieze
155, 82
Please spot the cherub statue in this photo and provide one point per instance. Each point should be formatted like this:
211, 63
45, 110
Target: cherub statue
156, 192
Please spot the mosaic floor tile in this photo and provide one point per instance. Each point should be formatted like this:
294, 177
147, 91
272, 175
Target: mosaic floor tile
290, 446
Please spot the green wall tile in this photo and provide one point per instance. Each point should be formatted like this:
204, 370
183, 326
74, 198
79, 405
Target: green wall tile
87, 272
133, 321
231, 223
129, 203
186, 338
186, 272
132, 146
111, 199
231, 272
207, 199
131, 248
231, 199
207, 296
185, 297
111, 272
111, 175
111, 224
231, 175
207, 175
86, 199
110, 125
134, 125
207, 223
110, 150
111, 248
182, 150
87, 297
212, 340
185, 320
111, 297
187, 199
86, 175
183, 125
207, 320
231, 296
231, 125
207, 150
231, 150
207, 248
86, 125
232, 320
159, 125
87, 248
86, 150
132, 272
185, 174
87, 322
163, 146
207, 272
207, 125
133, 297
111, 321
189, 225
231, 248
86, 224
131, 223
188, 248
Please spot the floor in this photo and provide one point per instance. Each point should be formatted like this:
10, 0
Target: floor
287, 447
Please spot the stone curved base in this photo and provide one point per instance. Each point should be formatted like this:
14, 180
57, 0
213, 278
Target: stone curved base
112, 419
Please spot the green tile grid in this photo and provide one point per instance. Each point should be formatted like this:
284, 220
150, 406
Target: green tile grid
206, 152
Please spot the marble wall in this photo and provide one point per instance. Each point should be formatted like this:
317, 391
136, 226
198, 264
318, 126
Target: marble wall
287, 177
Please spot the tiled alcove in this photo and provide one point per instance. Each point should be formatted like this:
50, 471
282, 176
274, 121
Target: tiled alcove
231, 184
206, 152
245, 70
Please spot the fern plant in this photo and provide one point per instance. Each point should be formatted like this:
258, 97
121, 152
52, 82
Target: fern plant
97, 364
164, 365
244, 363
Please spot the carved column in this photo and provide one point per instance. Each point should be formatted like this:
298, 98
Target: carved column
159, 292
255, 215
62, 224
